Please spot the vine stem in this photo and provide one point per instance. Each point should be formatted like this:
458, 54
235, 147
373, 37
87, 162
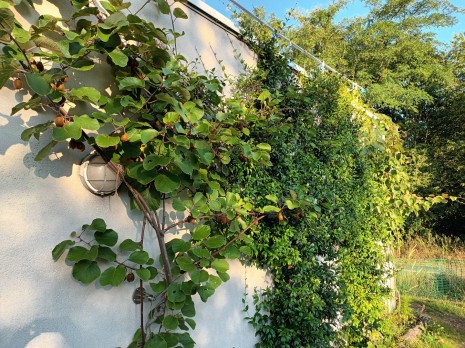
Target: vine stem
141, 286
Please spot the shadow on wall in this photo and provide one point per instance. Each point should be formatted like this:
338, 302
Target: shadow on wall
40, 334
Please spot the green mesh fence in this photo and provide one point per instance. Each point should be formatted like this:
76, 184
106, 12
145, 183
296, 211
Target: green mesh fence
438, 279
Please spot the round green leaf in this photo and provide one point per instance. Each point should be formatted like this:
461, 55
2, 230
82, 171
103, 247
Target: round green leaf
86, 122
109, 237
60, 249
185, 263
98, 225
143, 274
220, 265
131, 83
167, 183
199, 276
113, 276
38, 84
175, 294
151, 161
205, 292
170, 322
129, 245
104, 140
105, 253
156, 341
139, 257
78, 253
118, 57
179, 245
179, 13
86, 271
201, 232
215, 242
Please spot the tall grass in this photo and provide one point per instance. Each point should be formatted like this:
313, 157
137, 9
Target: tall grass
431, 246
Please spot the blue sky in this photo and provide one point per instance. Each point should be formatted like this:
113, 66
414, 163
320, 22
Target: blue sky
354, 9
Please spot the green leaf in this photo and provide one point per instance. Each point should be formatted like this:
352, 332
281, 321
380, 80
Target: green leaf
170, 338
231, 253
224, 276
220, 265
38, 84
131, 83
163, 6
185, 263
151, 197
153, 160
60, 248
179, 245
194, 113
129, 245
158, 287
32, 103
148, 134
199, 276
40, 128
201, 232
215, 242
272, 198
179, 13
215, 281
71, 130
82, 64
205, 292
113, 276
86, 271
186, 340
167, 183
109, 237
105, 253
143, 274
7, 20
188, 309
264, 146
104, 140
191, 323
86, 122
139, 257
156, 341
98, 225
270, 209
170, 322
78, 253
175, 294
118, 57
49, 44
21, 35
86, 93
45, 151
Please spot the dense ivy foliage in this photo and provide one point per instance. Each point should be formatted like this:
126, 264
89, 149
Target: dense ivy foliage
345, 166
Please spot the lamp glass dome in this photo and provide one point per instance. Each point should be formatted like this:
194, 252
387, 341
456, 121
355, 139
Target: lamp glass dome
97, 177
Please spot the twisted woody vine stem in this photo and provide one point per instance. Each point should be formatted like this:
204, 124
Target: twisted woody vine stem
166, 131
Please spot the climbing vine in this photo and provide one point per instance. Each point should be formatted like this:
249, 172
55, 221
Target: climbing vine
168, 134
328, 257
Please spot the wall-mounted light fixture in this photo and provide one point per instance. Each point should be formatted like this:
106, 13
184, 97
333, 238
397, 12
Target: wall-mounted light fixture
97, 177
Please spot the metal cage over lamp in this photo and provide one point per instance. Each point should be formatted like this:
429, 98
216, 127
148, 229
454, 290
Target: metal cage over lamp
97, 177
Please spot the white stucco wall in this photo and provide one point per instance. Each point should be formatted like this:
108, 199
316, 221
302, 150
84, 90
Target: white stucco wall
41, 306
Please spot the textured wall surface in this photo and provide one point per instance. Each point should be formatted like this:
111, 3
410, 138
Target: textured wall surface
41, 306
